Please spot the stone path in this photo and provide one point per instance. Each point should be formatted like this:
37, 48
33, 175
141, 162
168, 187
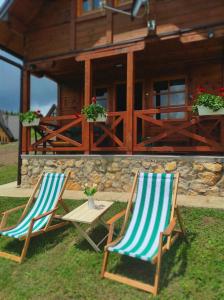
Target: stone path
11, 190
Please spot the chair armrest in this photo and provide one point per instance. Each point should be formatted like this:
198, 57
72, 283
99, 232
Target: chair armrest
45, 214
170, 227
13, 209
116, 217
6, 214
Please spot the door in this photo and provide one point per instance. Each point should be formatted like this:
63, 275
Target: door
121, 105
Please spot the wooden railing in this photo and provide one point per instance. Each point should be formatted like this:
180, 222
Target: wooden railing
151, 133
110, 136
59, 134
191, 134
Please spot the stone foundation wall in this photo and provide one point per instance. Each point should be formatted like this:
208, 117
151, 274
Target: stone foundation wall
198, 175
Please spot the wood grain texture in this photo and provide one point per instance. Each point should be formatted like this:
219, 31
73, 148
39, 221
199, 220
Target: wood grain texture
83, 214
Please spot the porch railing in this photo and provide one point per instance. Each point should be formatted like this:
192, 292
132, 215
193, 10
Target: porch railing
59, 134
110, 136
191, 134
151, 133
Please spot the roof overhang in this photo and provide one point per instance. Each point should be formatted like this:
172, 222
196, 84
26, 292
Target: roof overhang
4, 10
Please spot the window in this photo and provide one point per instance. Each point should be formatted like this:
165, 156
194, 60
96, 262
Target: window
102, 97
87, 6
169, 93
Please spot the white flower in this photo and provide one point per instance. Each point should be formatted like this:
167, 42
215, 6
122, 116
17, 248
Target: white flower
94, 185
86, 185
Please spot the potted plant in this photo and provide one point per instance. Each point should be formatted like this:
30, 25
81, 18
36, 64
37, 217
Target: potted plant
95, 112
207, 103
30, 118
89, 191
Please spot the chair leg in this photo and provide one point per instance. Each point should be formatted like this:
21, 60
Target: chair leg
158, 266
105, 260
183, 230
25, 248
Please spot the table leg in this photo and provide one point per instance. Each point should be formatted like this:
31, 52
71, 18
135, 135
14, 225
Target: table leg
86, 236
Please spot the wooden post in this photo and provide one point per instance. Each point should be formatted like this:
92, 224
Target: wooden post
130, 101
87, 99
109, 24
222, 130
25, 108
72, 24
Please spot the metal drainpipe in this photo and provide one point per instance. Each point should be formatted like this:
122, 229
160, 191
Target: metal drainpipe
20, 131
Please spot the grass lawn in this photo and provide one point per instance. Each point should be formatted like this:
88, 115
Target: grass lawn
8, 173
60, 265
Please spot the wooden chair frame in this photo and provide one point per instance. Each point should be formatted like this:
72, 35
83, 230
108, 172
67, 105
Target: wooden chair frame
164, 244
48, 227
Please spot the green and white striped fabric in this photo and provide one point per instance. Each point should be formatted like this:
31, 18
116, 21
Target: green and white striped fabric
151, 216
49, 191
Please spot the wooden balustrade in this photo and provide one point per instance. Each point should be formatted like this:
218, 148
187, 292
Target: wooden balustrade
190, 134
151, 133
110, 136
60, 134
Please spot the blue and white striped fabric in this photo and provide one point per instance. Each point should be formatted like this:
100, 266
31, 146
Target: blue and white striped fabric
150, 217
49, 192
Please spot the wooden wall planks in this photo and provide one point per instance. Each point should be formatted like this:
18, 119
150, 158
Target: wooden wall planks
50, 29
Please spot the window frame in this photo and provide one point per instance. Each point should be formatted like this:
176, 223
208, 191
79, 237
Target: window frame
106, 87
80, 11
169, 94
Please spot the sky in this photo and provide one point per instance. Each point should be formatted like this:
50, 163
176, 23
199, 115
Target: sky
43, 90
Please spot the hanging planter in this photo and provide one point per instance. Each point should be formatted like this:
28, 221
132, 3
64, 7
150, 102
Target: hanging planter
35, 122
209, 104
94, 112
205, 111
30, 118
99, 118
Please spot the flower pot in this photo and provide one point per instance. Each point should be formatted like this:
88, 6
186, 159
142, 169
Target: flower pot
100, 118
91, 203
35, 122
205, 111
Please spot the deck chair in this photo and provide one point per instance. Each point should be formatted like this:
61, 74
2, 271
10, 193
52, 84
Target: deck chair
38, 215
151, 230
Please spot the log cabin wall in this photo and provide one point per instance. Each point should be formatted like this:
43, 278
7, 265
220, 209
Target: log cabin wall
58, 30
71, 98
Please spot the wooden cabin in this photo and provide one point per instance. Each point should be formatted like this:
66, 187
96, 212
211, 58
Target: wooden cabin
146, 76
8, 124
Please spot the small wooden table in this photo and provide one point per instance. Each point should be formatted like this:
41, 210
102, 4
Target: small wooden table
83, 214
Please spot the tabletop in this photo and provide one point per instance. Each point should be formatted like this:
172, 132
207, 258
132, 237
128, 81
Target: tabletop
84, 214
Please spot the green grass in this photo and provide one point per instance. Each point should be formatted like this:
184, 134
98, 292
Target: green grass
8, 174
60, 265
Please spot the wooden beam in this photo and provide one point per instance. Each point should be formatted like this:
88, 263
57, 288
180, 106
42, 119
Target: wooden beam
72, 25
111, 51
25, 108
109, 24
130, 100
87, 101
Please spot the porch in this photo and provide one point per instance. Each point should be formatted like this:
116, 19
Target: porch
148, 93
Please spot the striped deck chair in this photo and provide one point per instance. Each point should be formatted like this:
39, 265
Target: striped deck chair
38, 214
151, 229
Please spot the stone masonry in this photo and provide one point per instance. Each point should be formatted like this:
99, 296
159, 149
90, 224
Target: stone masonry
198, 176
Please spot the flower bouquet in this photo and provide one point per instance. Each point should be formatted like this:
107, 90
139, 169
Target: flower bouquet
89, 191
